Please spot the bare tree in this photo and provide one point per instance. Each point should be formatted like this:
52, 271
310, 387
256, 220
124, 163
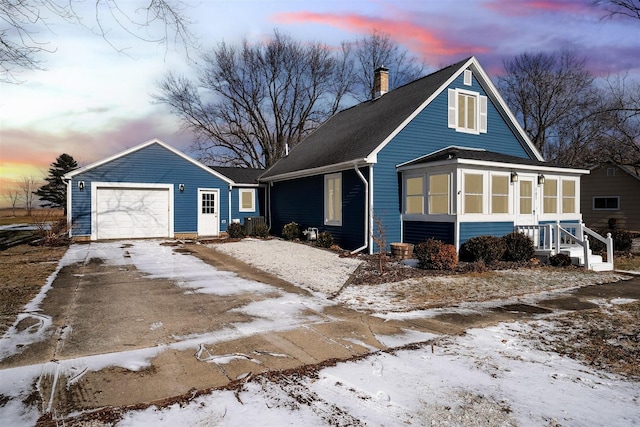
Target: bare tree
28, 187
12, 195
376, 50
259, 99
623, 8
26, 32
251, 102
551, 94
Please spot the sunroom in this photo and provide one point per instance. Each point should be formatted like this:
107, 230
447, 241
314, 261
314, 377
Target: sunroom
458, 193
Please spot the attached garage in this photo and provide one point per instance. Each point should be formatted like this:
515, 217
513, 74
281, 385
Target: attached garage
132, 211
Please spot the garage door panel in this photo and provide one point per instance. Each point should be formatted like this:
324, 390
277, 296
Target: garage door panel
132, 213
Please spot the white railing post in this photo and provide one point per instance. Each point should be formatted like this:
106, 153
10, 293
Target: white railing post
609, 248
586, 251
580, 231
548, 239
557, 237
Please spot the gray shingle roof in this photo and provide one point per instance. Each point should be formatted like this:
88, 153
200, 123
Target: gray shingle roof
354, 133
239, 175
481, 155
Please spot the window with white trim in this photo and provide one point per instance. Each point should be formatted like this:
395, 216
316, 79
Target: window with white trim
333, 199
467, 111
247, 200
606, 203
439, 200
473, 193
550, 196
414, 195
526, 197
568, 196
499, 194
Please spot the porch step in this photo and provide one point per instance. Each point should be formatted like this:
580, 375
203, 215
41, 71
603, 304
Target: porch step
601, 266
595, 261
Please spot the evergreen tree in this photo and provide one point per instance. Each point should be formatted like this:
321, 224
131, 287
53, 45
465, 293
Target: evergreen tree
54, 192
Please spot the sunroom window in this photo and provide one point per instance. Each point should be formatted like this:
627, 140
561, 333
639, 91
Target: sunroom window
473, 193
550, 196
568, 196
499, 194
439, 194
414, 199
526, 197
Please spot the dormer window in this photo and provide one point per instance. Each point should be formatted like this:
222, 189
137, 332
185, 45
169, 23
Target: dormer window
467, 111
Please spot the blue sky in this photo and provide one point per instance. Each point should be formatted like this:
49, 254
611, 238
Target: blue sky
93, 101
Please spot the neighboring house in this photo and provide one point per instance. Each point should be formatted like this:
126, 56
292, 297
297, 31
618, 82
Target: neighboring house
440, 157
153, 190
611, 192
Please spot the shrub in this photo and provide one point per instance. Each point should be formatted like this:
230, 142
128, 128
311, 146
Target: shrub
260, 229
487, 249
436, 255
235, 230
560, 260
518, 247
325, 239
291, 231
622, 241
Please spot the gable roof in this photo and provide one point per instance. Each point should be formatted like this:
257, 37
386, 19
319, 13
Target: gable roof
247, 176
142, 146
357, 134
628, 169
474, 155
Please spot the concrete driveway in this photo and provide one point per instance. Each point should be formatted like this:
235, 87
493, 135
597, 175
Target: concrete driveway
128, 323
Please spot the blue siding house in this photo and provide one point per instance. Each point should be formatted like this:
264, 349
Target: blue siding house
440, 157
153, 190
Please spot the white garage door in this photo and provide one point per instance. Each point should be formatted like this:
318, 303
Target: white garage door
132, 212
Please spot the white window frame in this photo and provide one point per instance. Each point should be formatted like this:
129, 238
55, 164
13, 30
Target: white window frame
481, 103
465, 193
328, 180
492, 193
563, 197
429, 193
593, 203
252, 191
422, 194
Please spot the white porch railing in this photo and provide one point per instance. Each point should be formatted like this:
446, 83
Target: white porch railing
551, 238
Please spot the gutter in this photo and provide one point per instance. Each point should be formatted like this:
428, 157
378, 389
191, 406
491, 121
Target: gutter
366, 210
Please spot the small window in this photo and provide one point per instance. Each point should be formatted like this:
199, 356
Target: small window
467, 77
333, 199
414, 199
609, 203
550, 196
568, 196
439, 194
611, 171
467, 111
499, 194
247, 200
473, 193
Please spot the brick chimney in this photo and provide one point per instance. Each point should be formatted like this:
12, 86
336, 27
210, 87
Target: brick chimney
380, 81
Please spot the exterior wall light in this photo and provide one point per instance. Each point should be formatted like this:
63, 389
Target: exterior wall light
540, 179
181, 187
81, 185
514, 177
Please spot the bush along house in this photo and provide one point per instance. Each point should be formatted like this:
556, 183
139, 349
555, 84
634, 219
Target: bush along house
441, 157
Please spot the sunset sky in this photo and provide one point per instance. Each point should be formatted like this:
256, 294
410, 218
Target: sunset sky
92, 101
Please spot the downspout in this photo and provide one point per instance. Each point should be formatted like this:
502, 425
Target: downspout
230, 191
366, 210
268, 202
69, 193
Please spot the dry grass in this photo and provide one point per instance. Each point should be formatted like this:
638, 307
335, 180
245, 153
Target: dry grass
37, 216
627, 262
604, 338
24, 269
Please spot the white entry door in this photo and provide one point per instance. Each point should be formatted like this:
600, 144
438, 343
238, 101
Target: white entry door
526, 201
208, 212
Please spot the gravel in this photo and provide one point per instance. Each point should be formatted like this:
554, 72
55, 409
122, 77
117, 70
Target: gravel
312, 268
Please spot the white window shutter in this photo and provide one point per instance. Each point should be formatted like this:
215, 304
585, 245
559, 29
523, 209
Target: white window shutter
483, 114
452, 108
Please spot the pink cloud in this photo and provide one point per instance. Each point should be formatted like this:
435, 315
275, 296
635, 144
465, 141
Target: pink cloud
529, 7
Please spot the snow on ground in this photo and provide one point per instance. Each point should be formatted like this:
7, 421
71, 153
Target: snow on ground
491, 376
308, 267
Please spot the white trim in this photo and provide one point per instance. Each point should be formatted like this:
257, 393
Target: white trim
336, 167
492, 164
253, 199
69, 218
95, 185
140, 147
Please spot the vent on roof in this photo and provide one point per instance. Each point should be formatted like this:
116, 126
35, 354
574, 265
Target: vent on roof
467, 77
